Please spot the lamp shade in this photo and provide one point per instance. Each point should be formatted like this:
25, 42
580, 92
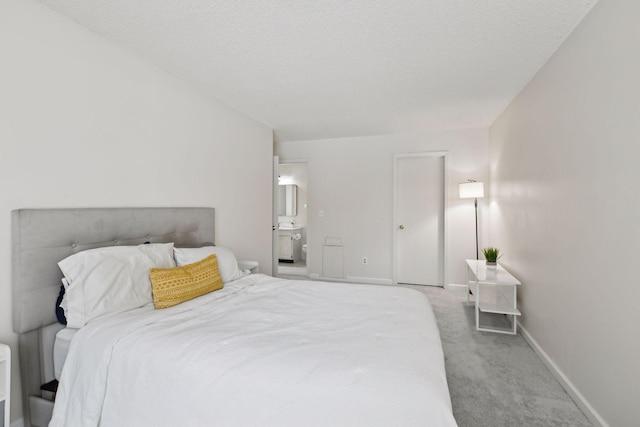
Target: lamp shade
471, 190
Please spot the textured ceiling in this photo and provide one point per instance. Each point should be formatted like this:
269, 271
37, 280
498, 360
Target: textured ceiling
314, 69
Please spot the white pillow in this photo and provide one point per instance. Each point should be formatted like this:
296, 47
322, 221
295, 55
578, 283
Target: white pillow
227, 263
111, 279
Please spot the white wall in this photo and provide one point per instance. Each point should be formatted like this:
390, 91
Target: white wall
86, 124
565, 162
351, 180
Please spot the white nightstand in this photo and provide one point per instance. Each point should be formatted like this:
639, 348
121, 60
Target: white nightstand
495, 291
5, 384
252, 266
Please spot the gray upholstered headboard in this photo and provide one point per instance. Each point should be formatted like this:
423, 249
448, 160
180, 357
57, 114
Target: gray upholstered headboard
43, 237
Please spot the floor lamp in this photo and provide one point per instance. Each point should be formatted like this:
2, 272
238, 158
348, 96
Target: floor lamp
473, 190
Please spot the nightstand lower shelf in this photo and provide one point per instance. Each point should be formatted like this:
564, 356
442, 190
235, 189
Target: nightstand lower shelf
498, 309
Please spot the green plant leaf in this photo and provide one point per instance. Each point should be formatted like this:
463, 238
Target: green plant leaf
491, 254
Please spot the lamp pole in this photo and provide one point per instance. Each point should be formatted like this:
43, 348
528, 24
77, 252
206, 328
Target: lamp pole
476, 206
473, 189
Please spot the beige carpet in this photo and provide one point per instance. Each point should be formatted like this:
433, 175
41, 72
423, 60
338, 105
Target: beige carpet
496, 379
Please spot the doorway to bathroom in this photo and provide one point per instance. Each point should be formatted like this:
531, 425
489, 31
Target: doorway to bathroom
291, 205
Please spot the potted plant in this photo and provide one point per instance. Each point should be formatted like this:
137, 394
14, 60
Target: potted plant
492, 255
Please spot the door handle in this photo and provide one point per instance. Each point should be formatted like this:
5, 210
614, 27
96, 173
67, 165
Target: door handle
401, 227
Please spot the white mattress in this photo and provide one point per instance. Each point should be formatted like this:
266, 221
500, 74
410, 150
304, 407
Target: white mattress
61, 348
262, 352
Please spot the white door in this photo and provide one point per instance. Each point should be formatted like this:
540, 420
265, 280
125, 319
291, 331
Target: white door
274, 219
420, 219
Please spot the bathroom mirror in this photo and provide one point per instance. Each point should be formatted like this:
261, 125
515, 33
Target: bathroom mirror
287, 200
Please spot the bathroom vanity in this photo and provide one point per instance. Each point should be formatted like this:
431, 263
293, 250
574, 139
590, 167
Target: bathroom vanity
290, 244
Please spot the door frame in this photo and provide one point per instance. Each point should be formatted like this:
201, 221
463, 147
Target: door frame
274, 217
277, 161
395, 224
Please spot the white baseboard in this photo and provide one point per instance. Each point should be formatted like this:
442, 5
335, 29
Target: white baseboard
316, 276
376, 281
577, 397
369, 280
352, 279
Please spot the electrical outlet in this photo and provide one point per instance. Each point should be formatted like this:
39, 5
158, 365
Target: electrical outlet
365, 260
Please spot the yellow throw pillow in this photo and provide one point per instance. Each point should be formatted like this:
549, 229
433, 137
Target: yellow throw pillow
172, 286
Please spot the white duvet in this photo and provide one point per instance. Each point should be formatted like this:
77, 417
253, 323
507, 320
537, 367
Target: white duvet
262, 352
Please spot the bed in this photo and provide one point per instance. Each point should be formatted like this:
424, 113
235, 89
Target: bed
261, 351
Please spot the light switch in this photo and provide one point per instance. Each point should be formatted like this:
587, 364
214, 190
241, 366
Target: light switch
321, 213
